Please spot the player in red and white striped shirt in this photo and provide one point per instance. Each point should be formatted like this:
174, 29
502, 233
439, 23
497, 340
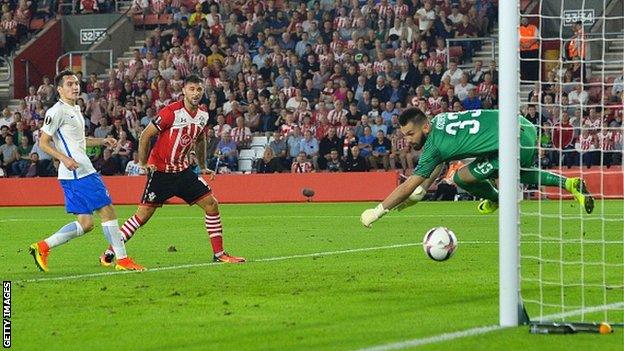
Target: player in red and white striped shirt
177, 127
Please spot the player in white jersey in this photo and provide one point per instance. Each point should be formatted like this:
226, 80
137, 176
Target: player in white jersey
84, 190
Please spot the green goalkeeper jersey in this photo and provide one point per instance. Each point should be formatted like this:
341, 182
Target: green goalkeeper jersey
459, 135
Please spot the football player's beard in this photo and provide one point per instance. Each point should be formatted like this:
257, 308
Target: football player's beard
419, 145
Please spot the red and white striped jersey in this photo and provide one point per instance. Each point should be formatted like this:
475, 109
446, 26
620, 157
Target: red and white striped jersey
240, 134
178, 129
334, 44
306, 127
399, 143
606, 141
239, 57
378, 66
301, 167
31, 101
289, 92
334, 116
434, 104
219, 129
341, 130
384, 10
592, 124
286, 128
363, 66
487, 90
401, 11
180, 63
586, 142
341, 22
9, 26
194, 59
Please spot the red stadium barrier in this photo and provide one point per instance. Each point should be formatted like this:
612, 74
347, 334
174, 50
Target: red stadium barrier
263, 188
602, 182
250, 188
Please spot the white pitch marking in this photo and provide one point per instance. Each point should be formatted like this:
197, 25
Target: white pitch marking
268, 259
480, 330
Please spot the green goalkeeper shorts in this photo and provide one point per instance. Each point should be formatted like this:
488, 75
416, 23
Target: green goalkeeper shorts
486, 167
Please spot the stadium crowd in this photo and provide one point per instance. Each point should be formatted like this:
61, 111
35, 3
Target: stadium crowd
324, 80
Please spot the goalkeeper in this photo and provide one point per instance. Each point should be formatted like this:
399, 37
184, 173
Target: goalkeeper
456, 136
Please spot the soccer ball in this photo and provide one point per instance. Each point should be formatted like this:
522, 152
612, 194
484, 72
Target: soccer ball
439, 243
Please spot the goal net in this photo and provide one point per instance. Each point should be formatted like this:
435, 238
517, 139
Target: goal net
571, 262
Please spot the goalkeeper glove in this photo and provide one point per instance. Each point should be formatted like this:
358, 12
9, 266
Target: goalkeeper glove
417, 195
372, 214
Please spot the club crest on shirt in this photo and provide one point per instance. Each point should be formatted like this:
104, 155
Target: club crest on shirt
185, 140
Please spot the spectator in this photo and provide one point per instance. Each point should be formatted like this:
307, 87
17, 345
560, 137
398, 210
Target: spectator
269, 163
618, 88
122, 151
20, 166
380, 153
461, 90
334, 163
578, 96
227, 152
562, 139
279, 147
294, 143
9, 153
107, 165
529, 50
402, 151
241, 134
310, 146
455, 74
472, 101
301, 164
355, 162
330, 142
35, 168
133, 167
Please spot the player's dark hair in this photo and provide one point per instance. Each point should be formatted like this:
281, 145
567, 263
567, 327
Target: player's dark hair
58, 80
192, 78
412, 115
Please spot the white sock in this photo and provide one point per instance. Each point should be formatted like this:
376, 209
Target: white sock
113, 235
65, 234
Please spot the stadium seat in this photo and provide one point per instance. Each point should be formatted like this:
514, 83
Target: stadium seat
258, 150
151, 20
137, 20
37, 23
259, 141
165, 19
245, 165
247, 154
456, 51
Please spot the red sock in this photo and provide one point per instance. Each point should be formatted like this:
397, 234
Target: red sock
214, 228
128, 229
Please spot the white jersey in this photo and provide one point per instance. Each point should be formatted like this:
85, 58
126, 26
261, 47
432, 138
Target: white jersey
65, 124
133, 169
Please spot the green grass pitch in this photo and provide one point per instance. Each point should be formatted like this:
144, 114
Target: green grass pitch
316, 280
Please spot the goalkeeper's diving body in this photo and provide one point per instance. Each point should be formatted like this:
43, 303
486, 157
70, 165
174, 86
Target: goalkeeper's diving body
468, 134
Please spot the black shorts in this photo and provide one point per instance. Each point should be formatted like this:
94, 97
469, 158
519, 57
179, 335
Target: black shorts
162, 186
